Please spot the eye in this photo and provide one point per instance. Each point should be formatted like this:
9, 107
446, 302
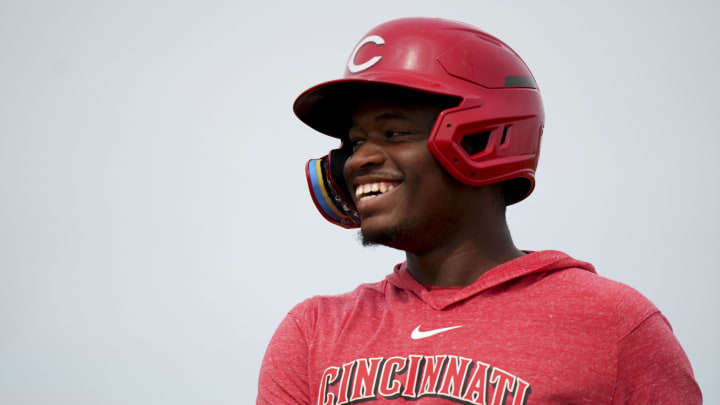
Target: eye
355, 143
394, 133
355, 138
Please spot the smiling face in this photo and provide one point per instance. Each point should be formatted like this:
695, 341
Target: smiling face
405, 199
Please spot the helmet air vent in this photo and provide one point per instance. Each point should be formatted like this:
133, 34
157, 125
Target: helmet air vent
504, 136
475, 143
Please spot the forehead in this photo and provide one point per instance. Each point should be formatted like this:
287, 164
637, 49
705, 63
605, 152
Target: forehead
400, 104
384, 110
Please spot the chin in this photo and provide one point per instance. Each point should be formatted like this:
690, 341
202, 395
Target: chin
394, 236
382, 237
408, 234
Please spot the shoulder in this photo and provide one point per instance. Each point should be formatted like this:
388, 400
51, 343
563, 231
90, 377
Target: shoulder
336, 308
609, 303
340, 301
313, 318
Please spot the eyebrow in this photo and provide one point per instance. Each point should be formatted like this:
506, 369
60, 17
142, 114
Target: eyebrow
392, 116
385, 117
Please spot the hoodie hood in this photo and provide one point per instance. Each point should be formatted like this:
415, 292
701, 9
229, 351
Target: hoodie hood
532, 263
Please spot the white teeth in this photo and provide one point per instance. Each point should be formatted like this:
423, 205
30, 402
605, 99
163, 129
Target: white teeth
363, 191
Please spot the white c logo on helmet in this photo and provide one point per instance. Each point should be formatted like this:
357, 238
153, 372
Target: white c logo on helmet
352, 67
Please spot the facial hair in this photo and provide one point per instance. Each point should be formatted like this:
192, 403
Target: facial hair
384, 237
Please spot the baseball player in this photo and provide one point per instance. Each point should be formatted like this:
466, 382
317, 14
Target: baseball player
440, 127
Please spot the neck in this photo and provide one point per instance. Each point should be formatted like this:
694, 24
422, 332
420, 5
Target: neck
460, 259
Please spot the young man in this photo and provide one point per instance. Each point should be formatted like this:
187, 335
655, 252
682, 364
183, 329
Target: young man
440, 126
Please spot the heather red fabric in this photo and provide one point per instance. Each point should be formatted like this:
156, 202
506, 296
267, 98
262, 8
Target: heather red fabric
540, 329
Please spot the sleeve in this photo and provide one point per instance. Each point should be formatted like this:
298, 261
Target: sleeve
284, 371
653, 368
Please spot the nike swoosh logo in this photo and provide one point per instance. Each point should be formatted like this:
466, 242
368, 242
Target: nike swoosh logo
418, 334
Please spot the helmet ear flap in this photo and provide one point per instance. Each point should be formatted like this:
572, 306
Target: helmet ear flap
481, 143
329, 190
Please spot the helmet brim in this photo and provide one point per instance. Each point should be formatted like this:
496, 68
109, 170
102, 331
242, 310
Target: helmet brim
328, 106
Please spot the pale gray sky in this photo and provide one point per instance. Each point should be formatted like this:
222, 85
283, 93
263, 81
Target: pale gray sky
154, 220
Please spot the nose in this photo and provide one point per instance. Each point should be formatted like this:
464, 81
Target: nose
369, 154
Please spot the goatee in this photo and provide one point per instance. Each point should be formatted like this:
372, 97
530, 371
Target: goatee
384, 237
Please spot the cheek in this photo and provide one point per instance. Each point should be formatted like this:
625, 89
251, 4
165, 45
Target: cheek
435, 185
427, 167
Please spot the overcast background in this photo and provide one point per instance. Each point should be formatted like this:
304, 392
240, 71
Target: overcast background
155, 225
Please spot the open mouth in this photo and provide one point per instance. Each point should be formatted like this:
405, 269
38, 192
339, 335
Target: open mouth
370, 190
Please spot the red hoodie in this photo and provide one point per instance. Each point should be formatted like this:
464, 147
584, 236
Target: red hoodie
540, 329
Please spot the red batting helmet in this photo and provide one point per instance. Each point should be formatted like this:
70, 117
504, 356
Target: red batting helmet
492, 135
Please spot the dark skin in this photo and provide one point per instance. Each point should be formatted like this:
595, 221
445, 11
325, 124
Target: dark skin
452, 233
